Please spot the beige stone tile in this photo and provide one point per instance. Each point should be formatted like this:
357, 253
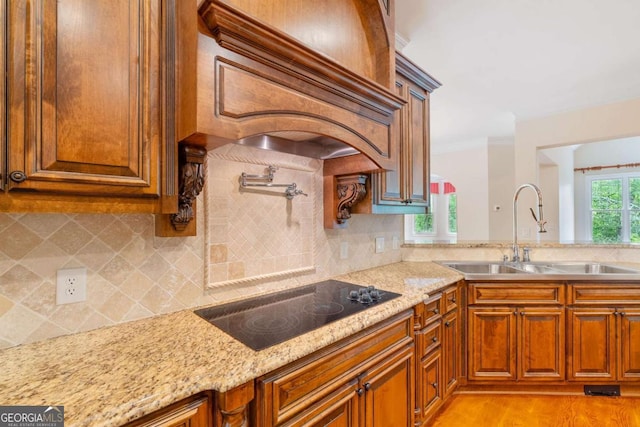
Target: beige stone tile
18, 282
155, 266
116, 235
5, 221
5, 305
137, 312
138, 223
19, 322
189, 294
138, 250
43, 299
44, 331
117, 306
18, 240
218, 253
44, 225
46, 259
157, 300
172, 281
71, 238
189, 263
6, 263
218, 273
94, 223
117, 270
94, 321
136, 285
99, 291
236, 270
71, 316
95, 255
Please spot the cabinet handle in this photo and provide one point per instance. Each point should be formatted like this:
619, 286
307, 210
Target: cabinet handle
17, 176
434, 339
367, 386
360, 391
453, 300
434, 385
435, 311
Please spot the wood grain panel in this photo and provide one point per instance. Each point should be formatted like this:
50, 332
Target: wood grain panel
629, 362
516, 293
591, 336
597, 294
542, 347
492, 344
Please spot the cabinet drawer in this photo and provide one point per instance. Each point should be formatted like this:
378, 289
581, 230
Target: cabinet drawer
287, 391
587, 294
450, 299
432, 309
516, 293
429, 339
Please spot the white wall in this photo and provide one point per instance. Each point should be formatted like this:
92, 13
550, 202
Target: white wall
467, 170
501, 188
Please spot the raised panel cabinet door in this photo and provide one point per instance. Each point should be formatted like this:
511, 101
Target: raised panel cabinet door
340, 409
450, 351
429, 385
492, 343
592, 344
84, 96
388, 395
541, 353
418, 146
629, 344
393, 182
192, 413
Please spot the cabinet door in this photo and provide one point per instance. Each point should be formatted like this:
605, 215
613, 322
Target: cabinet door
3, 99
392, 183
340, 409
451, 351
418, 146
629, 344
492, 343
541, 353
191, 413
389, 391
591, 335
429, 385
84, 96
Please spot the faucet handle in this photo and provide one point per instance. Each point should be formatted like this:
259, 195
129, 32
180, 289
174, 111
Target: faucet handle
525, 254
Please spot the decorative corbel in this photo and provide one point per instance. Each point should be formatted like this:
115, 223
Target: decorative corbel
191, 160
351, 190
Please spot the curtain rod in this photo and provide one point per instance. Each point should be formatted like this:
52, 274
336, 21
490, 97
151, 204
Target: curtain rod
597, 168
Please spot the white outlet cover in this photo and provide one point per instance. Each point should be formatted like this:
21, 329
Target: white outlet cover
71, 285
379, 245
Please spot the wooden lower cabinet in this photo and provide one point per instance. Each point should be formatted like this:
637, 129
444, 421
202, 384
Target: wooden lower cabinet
195, 411
366, 380
604, 343
451, 351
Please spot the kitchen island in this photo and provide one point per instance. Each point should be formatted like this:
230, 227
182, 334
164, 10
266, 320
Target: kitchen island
114, 375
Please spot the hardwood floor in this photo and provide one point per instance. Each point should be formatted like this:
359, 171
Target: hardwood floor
495, 410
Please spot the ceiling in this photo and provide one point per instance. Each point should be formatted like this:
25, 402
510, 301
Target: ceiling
501, 61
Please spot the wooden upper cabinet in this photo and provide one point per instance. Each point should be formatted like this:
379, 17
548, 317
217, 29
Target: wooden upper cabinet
406, 189
84, 97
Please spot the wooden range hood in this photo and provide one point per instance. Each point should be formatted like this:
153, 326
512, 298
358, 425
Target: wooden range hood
299, 72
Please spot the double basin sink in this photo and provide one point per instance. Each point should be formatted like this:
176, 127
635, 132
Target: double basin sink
548, 270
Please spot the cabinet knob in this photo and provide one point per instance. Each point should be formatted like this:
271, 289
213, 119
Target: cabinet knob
434, 339
367, 386
522, 313
515, 312
360, 391
435, 311
447, 324
453, 300
17, 176
622, 313
434, 385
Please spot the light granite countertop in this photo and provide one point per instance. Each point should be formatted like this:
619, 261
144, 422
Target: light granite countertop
113, 375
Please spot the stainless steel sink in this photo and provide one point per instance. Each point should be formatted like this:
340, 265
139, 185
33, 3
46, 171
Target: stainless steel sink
486, 270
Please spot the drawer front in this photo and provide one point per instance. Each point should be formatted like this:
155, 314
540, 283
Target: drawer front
586, 294
432, 309
516, 293
289, 390
451, 299
430, 338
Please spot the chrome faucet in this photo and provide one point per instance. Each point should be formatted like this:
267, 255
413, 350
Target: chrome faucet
539, 219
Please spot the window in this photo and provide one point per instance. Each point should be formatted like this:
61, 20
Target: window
614, 208
440, 223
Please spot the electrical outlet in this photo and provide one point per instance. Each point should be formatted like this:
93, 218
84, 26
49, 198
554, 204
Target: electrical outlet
394, 243
71, 285
344, 250
379, 245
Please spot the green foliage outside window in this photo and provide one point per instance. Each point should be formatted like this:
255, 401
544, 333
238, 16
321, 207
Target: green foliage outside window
453, 213
423, 223
607, 210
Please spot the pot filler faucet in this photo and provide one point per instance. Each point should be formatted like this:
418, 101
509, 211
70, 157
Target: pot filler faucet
539, 219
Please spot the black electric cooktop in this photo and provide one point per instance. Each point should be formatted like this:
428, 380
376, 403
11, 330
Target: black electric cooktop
271, 319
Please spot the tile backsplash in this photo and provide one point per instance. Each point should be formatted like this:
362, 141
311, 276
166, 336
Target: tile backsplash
244, 241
